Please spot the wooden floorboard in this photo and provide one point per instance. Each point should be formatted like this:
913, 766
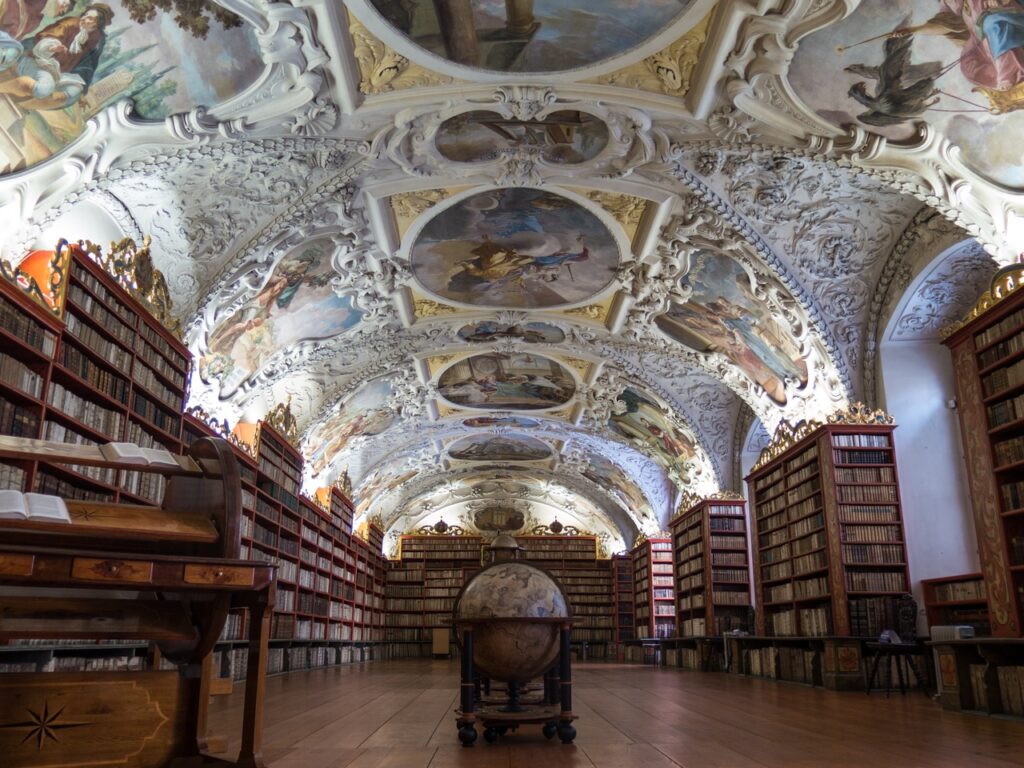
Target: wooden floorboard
400, 714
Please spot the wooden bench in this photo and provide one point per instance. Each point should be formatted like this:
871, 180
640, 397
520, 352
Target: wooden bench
167, 574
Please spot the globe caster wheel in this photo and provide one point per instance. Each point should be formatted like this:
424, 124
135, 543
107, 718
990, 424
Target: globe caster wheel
490, 735
501, 729
566, 732
549, 730
467, 735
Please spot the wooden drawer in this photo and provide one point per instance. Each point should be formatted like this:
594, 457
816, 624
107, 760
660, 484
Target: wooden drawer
16, 565
237, 576
96, 569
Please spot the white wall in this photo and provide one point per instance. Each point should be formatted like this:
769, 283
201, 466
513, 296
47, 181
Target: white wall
917, 382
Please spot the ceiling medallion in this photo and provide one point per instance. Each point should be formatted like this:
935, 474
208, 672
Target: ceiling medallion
516, 382
529, 36
515, 248
491, 447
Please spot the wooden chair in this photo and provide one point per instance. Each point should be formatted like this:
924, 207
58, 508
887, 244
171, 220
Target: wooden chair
166, 574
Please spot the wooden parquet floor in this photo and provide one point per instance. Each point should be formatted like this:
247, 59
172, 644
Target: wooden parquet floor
399, 714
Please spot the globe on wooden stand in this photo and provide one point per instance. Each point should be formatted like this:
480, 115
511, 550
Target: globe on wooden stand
513, 623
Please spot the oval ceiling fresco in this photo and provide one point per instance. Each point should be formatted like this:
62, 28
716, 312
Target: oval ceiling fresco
531, 333
517, 382
62, 62
724, 315
296, 303
957, 65
515, 422
515, 248
529, 35
563, 138
499, 448
645, 422
368, 412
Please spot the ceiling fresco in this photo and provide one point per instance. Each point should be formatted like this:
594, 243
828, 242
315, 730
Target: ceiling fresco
958, 64
528, 35
61, 62
556, 259
517, 382
515, 248
505, 447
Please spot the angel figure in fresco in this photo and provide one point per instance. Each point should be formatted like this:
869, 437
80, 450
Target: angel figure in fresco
496, 264
670, 441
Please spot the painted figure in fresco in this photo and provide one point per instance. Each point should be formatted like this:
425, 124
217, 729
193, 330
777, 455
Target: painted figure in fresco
495, 264
56, 66
488, 330
991, 35
902, 90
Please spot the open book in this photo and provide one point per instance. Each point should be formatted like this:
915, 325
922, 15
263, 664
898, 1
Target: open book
130, 453
15, 505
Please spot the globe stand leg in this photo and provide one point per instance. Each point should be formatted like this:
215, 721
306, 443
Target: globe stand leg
467, 732
566, 731
513, 699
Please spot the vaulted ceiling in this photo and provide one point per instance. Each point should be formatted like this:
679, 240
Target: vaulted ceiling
534, 258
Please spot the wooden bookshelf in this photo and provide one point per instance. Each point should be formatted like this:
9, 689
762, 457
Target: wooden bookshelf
624, 597
421, 588
712, 582
587, 581
94, 369
988, 362
330, 592
654, 595
957, 600
830, 554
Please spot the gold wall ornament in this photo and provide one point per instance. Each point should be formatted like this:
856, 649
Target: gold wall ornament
382, 69
859, 413
625, 209
132, 267
641, 537
582, 367
409, 205
786, 436
283, 420
427, 308
596, 312
669, 70
1005, 283
687, 501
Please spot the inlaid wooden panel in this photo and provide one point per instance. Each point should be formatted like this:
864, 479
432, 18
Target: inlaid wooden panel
96, 569
81, 719
219, 574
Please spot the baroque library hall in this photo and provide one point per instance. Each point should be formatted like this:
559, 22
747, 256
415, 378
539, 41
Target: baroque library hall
501, 383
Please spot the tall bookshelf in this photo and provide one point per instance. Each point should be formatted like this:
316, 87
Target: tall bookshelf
587, 581
654, 595
330, 592
830, 550
422, 586
624, 597
712, 582
86, 364
988, 362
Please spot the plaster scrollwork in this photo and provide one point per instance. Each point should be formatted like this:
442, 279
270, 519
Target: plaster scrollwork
410, 141
383, 69
928, 167
292, 77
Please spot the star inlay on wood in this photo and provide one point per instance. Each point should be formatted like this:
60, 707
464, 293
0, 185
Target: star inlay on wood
42, 726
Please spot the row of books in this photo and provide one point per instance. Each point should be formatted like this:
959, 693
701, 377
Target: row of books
861, 440
866, 494
729, 558
112, 352
17, 421
889, 554
865, 475
870, 533
23, 327
959, 591
1004, 326
103, 420
861, 457
84, 367
155, 413
144, 376
20, 376
727, 524
98, 311
1012, 495
1005, 411
12, 477
1003, 378
726, 597
868, 513
876, 581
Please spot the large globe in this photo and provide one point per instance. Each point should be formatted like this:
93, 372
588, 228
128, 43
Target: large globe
513, 651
